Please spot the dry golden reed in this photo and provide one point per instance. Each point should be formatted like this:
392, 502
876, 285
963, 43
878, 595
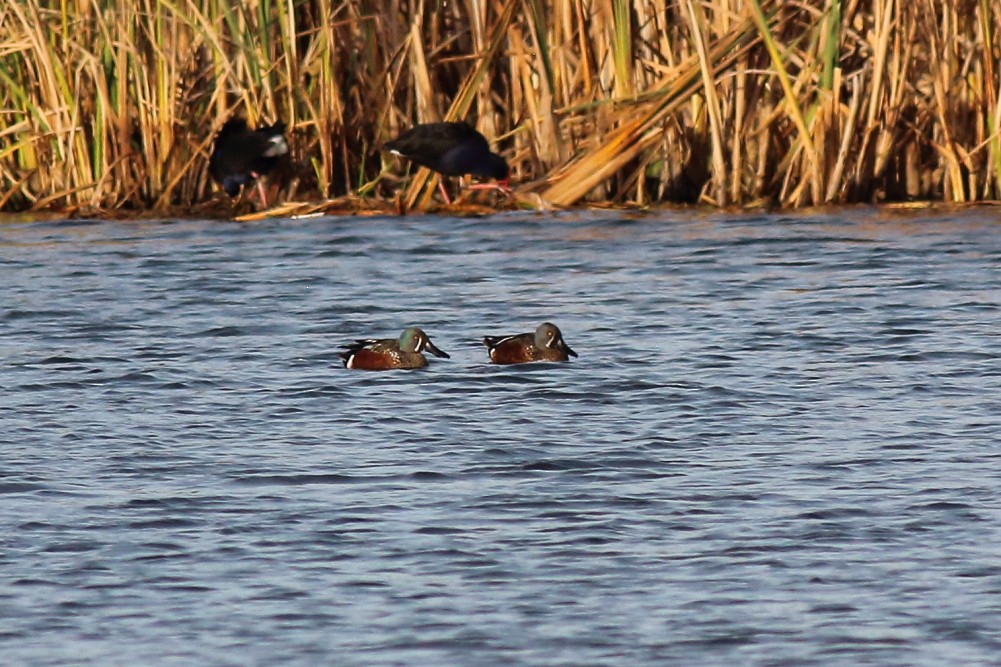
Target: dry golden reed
114, 103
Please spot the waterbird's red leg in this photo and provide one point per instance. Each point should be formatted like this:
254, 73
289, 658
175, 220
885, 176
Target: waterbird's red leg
264, 196
444, 194
500, 187
259, 190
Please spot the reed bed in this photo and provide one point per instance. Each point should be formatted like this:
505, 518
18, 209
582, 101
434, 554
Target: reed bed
114, 103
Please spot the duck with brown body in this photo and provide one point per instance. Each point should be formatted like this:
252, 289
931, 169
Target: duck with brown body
388, 353
452, 149
241, 156
546, 344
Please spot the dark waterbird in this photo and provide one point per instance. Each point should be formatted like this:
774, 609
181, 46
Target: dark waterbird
388, 353
546, 344
241, 156
452, 149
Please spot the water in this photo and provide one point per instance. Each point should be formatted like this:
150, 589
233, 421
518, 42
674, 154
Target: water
779, 445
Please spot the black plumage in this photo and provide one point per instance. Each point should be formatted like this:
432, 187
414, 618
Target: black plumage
451, 149
241, 156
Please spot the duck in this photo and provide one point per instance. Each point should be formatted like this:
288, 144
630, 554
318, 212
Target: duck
373, 354
545, 344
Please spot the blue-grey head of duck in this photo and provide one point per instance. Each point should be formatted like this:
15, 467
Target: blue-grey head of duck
413, 339
549, 336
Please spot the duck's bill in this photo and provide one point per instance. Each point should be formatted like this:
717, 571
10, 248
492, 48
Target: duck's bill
435, 351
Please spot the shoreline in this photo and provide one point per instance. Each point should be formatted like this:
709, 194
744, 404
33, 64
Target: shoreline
352, 206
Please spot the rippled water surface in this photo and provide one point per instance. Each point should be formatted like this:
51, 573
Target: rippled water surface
780, 445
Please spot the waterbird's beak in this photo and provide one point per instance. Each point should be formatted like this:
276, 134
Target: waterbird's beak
566, 348
435, 351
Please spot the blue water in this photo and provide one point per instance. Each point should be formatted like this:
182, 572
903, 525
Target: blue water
779, 445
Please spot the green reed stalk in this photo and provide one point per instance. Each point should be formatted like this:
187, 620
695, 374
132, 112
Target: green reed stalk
831, 43
622, 47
